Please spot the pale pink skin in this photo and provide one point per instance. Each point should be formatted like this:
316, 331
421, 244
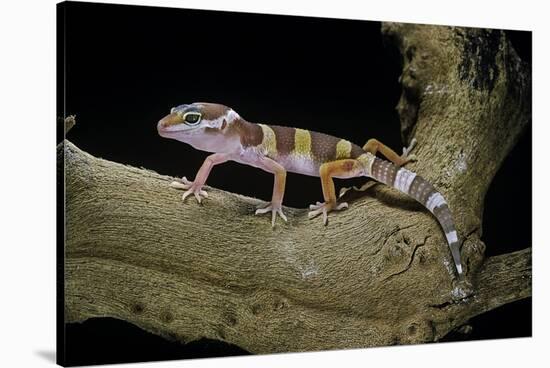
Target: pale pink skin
225, 148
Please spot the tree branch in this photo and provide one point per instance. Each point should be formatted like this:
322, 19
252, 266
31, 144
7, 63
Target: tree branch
379, 274
502, 279
466, 97
135, 252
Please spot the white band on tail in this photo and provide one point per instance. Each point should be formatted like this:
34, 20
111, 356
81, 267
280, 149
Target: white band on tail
434, 201
451, 237
403, 180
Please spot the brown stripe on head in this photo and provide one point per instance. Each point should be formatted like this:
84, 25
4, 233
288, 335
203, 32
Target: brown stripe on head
212, 111
284, 139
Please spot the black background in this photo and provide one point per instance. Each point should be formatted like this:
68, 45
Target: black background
126, 66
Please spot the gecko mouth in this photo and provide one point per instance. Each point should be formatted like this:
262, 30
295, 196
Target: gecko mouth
166, 131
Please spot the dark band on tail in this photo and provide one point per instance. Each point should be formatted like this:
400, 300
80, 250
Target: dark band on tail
420, 189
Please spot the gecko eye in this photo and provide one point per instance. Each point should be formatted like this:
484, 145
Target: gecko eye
192, 117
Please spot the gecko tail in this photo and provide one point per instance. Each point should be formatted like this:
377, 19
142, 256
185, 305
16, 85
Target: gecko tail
424, 192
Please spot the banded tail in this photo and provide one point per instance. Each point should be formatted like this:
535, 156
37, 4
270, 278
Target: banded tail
420, 189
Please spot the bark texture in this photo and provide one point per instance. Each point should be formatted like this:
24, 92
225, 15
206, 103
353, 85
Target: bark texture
379, 274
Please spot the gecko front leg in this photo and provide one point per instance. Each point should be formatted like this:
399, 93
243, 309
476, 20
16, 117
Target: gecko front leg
195, 187
275, 207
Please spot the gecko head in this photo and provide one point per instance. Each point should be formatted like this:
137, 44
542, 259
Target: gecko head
195, 119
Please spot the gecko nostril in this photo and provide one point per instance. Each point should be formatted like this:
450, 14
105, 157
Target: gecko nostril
161, 125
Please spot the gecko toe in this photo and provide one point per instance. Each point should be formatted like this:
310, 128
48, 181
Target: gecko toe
325, 208
407, 150
412, 144
273, 217
342, 206
314, 213
275, 210
263, 210
186, 194
280, 212
198, 193
316, 206
178, 185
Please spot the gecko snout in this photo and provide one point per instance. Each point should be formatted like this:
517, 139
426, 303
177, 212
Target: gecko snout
168, 121
161, 124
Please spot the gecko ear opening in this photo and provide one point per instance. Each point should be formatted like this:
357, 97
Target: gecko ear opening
224, 124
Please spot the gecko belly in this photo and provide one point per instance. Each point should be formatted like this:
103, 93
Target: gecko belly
299, 164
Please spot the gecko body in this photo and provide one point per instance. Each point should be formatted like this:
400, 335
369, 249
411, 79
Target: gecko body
276, 149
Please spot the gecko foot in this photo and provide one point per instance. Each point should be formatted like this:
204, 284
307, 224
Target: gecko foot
275, 209
190, 188
406, 156
325, 208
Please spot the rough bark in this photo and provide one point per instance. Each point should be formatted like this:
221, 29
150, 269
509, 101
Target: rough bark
379, 274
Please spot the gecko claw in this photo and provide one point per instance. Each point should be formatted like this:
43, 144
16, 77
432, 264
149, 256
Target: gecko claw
198, 197
185, 195
407, 152
406, 156
275, 209
190, 188
324, 208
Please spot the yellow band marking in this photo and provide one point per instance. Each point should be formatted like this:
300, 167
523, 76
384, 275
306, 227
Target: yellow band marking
343, 149
269, 142
302, 142
366, 160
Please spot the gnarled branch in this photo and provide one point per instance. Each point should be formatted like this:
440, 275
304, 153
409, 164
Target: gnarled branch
379, 274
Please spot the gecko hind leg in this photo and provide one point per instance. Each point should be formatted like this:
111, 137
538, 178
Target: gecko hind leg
343, 169
373, 146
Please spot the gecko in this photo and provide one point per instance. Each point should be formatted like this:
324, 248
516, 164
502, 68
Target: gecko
220, 130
